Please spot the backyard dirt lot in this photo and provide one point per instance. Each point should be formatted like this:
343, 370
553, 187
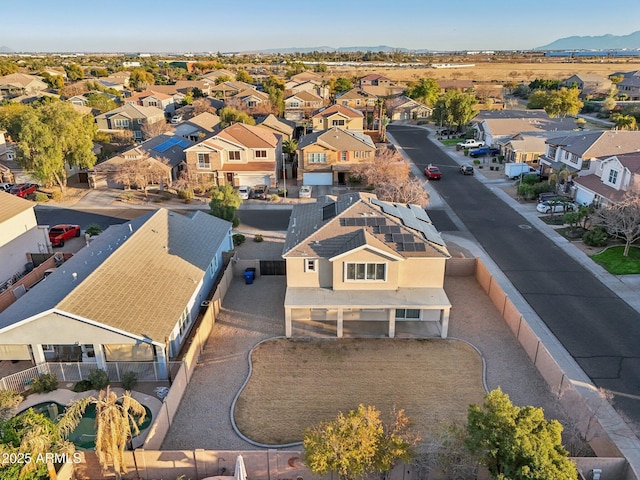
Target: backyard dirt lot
307, 382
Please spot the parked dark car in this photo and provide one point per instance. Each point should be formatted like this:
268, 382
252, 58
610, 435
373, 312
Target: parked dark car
484, 151
466, 169
261, 192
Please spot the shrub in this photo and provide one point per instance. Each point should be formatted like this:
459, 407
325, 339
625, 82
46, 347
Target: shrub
98, 378
466, 152
94, 230
129, 380
235, 222
596, 237
40, 197
476, 162
186, 194
238, 239
282, 192
44, 383
82, 386
258, 238
57, 195
274, 197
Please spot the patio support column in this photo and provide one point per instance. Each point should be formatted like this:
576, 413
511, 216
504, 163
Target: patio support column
101, 361
38, 354
444, 321
287, 322
391, 315
161, 359
340, 323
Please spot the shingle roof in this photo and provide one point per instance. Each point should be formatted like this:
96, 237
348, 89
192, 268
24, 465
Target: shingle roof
599, 144
356, 93
137, 277
306, 96
341, 109
334, 226
338, 139
278, 124
249, 136
12, 205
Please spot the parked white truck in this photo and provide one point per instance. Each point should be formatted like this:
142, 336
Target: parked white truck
515, 170
469, 143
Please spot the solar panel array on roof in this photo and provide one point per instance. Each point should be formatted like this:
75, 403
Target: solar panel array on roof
329, 211
431, 234
384, 229
363, 221
411, 247
167, 144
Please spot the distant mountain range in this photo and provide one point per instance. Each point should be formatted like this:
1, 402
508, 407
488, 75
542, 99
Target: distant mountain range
325, 49
602, 42
4, 49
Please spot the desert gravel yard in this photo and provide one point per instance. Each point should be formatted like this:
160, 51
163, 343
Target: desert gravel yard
306, 382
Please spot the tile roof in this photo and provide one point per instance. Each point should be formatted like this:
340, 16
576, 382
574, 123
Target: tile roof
134, 111
338, 139
356, 93
21, 80
512, 126
136, 277
249, 136
341, 109
204, 120
333, 226
594, 183
278, 124
485, 114
306, 96
599, 144
12, 205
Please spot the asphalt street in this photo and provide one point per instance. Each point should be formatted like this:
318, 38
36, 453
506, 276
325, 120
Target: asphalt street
597, 328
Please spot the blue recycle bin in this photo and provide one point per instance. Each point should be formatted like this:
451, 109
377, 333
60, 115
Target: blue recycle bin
249, 275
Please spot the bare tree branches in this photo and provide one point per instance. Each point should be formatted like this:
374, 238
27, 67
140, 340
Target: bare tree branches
622, 219
150, 130
142, 173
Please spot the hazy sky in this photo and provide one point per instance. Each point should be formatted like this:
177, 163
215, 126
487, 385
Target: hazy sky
237, 25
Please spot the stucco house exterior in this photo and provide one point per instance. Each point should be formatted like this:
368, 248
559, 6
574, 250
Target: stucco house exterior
130, 117
339, 116
404, 108
239, 155
106, 308
150, 98
589, 84
16, 84
277, 125
329, 157
19, 234
354, 259
612, 179
301, 105
358, 99
629, 86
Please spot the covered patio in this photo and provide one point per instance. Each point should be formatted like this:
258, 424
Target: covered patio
369, 313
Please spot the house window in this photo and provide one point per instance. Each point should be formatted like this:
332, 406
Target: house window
613, 177
47, 348
366, 271
122, 122
251, 103
408, 313
343, 156
317, 158
234, 155
203, 161
345, 102
152, 103
260, 154
358, 102
213, 266
310, 264
294, 105
337, 123
137, 135
184, 321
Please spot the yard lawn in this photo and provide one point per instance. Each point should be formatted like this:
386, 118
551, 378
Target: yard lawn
297, 383
613, 260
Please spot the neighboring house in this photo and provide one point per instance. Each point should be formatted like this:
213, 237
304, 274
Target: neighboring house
375, 80
229, 89
239, 155
17, 84
403, 108
149, 98
106, 306
496, 130
356, 259
380, 86
613, 178
278, 126
171, 90
301, 105
184, 86
212, 76
10, 170
329, 157
252, 100
589, 84
581, 154
358, 99
107, 82
199, 127
629, 86
130, 117
167, 150
339, 116
455, 84
121, 78
291, 88
20, 234
524, 148
306, 76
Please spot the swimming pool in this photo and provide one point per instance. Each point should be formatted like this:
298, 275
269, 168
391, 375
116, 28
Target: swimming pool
84, 435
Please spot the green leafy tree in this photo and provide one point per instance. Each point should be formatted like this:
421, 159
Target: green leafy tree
10, 114
353, 445
295, 68
117, 421
290, 147
99, 72
224, 203
557, 103
222, 79
455, 108
320, 67
100, 102
54, 136
7, 67
74, 72
230, 115
140, 79
624, 122
340, 85
54, 81
243, 76
274, 87
426, 90
517, 443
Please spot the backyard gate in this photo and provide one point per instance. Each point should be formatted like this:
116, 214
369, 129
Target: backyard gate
273, 267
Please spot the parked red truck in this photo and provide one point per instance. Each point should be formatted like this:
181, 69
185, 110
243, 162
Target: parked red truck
23, 189
59, 233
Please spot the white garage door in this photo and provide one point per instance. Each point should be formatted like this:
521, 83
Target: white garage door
317, 178
251, 180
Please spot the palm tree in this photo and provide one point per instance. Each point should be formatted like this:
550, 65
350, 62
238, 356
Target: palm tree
117, 422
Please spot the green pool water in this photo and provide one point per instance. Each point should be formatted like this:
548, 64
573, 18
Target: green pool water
84, 435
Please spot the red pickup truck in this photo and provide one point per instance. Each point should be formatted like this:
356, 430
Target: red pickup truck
59, 233
24, 189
